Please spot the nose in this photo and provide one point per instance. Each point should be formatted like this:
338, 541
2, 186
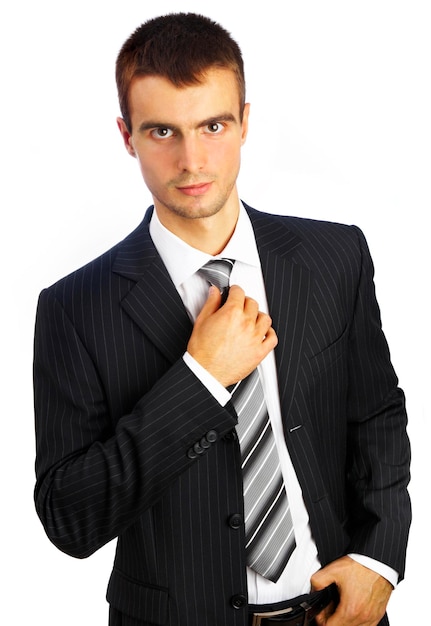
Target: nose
191, 154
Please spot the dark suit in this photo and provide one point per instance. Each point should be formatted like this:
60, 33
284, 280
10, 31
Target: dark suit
118, 413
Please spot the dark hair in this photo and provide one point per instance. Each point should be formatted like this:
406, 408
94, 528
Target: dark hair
179, 47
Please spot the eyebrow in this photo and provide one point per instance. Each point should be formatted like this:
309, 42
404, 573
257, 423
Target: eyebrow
223, 117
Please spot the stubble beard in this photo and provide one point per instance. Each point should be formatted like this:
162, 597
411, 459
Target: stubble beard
197, 207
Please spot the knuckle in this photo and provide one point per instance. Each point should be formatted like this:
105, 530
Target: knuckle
237, 289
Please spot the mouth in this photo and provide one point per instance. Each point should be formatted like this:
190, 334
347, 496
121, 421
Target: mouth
198, 189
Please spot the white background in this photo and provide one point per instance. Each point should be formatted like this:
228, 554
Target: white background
340, 130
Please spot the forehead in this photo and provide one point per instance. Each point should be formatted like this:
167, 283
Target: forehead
156, 98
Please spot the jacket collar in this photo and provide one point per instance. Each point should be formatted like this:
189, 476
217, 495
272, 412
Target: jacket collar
152, 302
137, 254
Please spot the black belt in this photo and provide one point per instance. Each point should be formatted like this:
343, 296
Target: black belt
297, 612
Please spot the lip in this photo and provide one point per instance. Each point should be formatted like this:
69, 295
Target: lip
195, 190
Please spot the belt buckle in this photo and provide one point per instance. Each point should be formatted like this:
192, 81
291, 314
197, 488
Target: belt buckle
307, 609
258, 617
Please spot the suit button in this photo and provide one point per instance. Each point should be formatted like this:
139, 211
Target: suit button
211, 436
198, 448
205, 443
235, 521
192, 454
238, 601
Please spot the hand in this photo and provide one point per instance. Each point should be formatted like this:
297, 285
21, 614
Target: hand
230, 341
364, 594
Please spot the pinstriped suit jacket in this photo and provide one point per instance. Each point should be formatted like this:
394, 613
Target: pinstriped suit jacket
118, 414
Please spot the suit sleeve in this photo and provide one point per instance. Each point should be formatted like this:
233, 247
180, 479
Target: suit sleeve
378, 446
94, 479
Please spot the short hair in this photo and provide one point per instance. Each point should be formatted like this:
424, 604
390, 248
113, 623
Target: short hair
180, 47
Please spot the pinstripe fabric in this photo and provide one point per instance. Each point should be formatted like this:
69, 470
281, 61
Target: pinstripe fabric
118, 414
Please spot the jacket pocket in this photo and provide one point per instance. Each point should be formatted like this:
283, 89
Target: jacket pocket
329, 355
140, 601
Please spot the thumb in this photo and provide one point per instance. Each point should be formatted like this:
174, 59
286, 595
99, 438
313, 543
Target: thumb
211, 305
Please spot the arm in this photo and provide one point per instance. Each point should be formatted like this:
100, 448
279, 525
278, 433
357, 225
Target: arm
378, 468
378, 447
94, 482
94, 479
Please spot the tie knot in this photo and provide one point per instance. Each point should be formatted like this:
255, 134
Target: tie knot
217, 272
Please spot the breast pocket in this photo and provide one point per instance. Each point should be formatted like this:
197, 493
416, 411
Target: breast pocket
331, 354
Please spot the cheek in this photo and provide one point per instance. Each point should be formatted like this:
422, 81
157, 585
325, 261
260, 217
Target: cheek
226, 155
153, 167
229, 159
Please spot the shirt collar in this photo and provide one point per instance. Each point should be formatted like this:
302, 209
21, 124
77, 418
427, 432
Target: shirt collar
241, 247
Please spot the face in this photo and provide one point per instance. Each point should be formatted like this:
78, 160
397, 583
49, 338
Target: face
187, 142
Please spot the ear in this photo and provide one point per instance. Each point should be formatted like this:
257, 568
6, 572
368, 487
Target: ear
127, 137
244, 123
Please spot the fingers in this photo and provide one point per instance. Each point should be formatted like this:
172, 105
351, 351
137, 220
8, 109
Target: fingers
236, 299
250, 309
322, 618
230, 341
270, 339
248, 306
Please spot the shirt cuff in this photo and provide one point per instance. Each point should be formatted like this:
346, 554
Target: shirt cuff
216, 389
380, 568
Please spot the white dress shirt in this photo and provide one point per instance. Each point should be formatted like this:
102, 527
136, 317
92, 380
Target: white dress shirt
193, 289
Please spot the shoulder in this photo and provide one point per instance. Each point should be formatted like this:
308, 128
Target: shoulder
98, 271
309, 235
302, 226
125, 251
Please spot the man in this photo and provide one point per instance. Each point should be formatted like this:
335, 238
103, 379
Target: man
139, 365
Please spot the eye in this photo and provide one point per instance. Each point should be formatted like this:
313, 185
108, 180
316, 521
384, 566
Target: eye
161, 133
214, 128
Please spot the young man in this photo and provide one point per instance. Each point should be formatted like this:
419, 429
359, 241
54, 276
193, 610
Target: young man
143, 432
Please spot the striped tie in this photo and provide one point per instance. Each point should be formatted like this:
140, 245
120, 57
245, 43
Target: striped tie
218, 273
268, 523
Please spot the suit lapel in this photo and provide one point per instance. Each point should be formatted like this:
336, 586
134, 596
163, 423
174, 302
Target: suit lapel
152, 302
155, 305
287, 286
